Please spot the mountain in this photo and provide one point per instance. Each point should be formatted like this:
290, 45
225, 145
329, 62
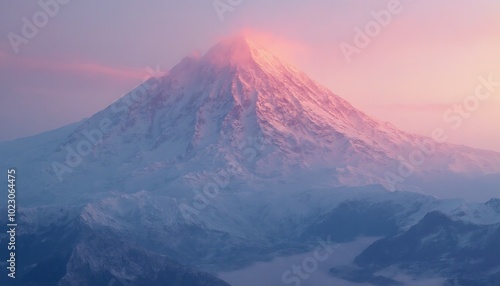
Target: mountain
230, 158
439, 245
239, 107
141, 236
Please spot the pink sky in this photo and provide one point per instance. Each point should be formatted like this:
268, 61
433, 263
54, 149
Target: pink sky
425, 60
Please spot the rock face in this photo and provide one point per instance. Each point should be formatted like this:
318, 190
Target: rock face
102, 260
438, 244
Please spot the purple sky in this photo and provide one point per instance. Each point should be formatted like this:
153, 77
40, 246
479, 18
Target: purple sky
414, 68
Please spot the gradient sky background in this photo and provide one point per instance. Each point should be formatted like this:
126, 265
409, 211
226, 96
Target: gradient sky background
92, 52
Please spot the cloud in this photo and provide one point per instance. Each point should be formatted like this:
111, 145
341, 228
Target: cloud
409, 107
77, 68
282, 47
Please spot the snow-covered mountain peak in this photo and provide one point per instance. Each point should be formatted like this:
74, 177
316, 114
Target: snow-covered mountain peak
232, 51
239, 107
214, 107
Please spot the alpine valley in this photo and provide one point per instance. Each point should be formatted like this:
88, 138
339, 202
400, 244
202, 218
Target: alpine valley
234, 158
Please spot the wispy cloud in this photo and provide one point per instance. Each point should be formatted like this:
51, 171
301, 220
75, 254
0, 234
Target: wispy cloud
416, 107
283, 47
77, 68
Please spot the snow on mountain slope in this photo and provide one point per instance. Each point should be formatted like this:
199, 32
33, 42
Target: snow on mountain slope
238, 107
